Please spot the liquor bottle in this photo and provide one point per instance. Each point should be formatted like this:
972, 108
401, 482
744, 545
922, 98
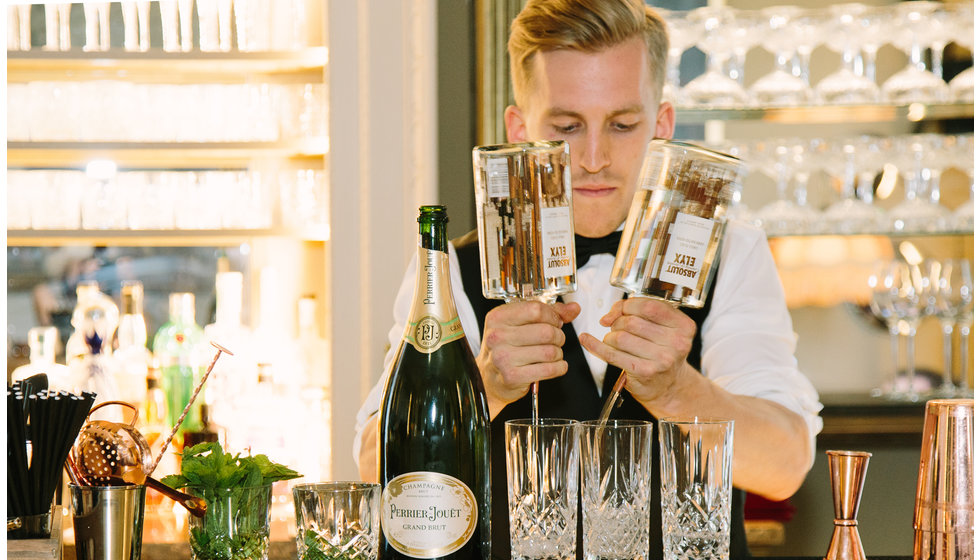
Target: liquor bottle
87, 351
131, 356
43, 344
434, 431
181, 351
232, 375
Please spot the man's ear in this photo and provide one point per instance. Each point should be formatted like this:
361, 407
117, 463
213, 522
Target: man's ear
665, 121
514, 122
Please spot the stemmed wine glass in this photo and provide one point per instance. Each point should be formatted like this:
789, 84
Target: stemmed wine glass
714, 87
962, 158
784, 85
526, 229
916, 159
961, 86
845, 33
670, 242
884, 282
684, 34
913, 29
911, 304
952, 286
789, 161
849, 214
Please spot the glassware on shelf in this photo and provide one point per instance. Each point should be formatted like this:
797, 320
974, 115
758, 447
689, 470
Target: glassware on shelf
845, 33
19, 27
743, 35
809, 26
784, 85
714, 88
96, 26
136, 25
19, 199
952, 289
786, 161
57, 26
185, 15
962, 159
207, 25
169, 25
912, 29
961, 86
850, 214
916, 160
684, 34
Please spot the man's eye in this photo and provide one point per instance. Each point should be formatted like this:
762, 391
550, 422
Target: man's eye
565, 128
624, 127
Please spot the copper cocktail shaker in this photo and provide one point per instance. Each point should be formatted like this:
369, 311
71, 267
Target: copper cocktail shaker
943, 521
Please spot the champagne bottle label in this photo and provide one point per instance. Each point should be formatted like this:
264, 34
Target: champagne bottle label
427, 514
428, 334
689, 239
430, 329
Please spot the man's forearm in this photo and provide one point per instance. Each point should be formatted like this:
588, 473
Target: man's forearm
772, 451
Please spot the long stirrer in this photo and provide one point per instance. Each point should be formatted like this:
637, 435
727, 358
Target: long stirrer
200, 384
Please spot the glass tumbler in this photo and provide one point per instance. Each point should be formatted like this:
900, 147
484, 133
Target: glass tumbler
337, 520
236, 524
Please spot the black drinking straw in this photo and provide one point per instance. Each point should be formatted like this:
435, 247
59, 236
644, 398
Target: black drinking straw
17, 477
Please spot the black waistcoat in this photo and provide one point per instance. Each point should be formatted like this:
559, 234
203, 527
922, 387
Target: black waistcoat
574, 396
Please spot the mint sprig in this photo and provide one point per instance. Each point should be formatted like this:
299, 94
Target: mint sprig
234, 527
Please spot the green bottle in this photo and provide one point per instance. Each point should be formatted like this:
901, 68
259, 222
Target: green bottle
434, 457
181, 352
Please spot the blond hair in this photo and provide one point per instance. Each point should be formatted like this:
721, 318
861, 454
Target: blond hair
586, 26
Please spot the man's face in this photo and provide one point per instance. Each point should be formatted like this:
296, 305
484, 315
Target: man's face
604, 106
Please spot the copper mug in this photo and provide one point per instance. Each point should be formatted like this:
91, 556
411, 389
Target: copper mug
943, 521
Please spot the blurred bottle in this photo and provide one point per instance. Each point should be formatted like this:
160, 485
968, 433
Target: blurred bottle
313, 348
153, 421
269, 419
43, 344
181, 351
231, 374
89, 347
131, 356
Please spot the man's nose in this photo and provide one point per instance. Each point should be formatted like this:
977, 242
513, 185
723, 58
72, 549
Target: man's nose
594, 153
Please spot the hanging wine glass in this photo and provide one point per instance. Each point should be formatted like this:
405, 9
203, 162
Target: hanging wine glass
884, 283
953, 289
784, 85
849, 214
714, 88
912, 29
920, 211
684, 34
849, 84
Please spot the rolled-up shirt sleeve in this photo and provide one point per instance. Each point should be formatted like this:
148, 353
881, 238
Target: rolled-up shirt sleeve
748, 342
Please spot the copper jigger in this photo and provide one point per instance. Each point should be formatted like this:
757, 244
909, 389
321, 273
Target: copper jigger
943, 521
847, 470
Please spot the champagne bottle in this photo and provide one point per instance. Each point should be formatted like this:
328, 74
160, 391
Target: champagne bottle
434, 431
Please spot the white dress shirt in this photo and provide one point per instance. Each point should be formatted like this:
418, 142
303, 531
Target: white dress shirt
748, 342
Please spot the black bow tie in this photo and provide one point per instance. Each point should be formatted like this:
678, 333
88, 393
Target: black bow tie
585, 247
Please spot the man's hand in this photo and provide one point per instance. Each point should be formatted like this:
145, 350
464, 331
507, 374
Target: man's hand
650, 340
522, 344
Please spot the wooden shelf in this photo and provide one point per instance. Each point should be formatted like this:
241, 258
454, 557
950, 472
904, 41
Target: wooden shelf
185, 155
302, 66
829, 114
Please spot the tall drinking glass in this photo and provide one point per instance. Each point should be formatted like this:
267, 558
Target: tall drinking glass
524, 222
616, 474
542, 487
696, 487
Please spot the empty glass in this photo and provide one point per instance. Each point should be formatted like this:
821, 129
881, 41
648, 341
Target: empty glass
845, 34
916, 158
849, 214
961, 86
785, 84
684, 34
885, 283
696, 487
952, 290
542, 487
912, 29
616, 474
714, 87
337, 520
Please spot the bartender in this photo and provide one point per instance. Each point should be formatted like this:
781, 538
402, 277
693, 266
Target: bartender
591, 73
